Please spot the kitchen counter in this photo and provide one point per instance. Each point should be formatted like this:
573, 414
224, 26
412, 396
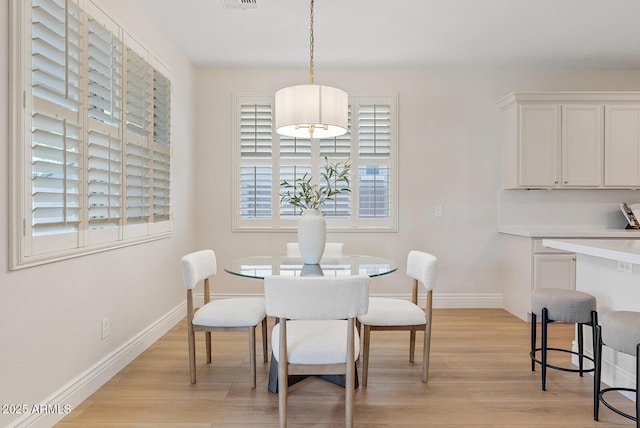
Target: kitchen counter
608, 270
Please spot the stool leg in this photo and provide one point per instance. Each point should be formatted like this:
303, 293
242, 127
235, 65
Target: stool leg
580, 347
545, 320
533, 342
637, 386
597, 357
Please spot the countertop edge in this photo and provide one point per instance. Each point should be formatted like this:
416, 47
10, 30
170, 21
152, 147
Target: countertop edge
618, 250
559, 232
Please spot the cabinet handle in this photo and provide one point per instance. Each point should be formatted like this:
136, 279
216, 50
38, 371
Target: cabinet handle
555, 182
566, 182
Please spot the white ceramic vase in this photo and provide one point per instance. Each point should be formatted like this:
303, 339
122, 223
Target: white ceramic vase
312, 235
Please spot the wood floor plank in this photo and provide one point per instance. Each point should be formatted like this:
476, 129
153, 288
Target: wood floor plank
480, 376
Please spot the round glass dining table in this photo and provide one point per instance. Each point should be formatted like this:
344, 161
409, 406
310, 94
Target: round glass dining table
260, 266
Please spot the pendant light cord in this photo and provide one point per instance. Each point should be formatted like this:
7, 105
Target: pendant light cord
311, 46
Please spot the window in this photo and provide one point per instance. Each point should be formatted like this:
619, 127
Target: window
92, 154
263, 159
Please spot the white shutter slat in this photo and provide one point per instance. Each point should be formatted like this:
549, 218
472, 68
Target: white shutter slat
295, 147
104, 176
138, 184
139, 94
105, 74
255, 191
289, 173
161, 185
161, 103
375, 191
256, 132
374, 130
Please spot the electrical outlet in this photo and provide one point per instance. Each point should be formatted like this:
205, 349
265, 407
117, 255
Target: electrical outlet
625, 267
106, 328
438, 211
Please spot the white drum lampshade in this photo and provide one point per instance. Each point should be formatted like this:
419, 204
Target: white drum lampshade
311, 111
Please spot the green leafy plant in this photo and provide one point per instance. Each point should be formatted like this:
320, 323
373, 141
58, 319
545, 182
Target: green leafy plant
304, 194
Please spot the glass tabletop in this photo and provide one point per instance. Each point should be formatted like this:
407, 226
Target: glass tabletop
261, 266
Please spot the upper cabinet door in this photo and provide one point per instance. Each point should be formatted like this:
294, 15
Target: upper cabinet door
539, 145
622, 146
582, 145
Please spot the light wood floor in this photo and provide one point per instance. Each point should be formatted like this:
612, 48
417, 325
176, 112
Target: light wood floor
480, 376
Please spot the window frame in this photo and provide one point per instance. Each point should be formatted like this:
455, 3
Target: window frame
83, 240
353, 223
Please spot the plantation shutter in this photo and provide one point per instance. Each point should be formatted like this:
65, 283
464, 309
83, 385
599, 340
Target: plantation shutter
56, 133
104, 138
256, 171
337, 149
161, 148
139, 87
374, 149
264, 160
295, 162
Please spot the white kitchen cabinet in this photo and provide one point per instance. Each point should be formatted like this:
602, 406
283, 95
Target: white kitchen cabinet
538, 145
554, 271
622, 146
582, 145
527, 265
569, 140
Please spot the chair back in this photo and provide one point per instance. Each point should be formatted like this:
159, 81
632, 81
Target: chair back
422, 267
198, 266
316, 298
331, 249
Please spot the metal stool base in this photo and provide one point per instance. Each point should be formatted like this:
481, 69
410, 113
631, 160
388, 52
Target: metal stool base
564, 369
545, 349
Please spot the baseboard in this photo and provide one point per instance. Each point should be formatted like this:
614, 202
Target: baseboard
79, 389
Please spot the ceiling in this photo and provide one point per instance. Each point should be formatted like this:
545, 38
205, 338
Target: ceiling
405, 33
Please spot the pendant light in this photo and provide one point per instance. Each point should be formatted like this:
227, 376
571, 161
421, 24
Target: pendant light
311, 111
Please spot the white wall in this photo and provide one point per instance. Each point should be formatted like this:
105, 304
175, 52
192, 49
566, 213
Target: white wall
50, 315
449, 155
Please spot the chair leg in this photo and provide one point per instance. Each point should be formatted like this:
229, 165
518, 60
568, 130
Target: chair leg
252, 354
426, 351
207, 336
533, 341
283, 374
412, 345
545, 320
580, 348
350, 375
366, 339
265, 347
192, 351
597, 350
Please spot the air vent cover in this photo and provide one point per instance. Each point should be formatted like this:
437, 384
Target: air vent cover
240, 4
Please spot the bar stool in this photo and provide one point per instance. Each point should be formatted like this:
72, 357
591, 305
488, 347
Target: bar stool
620, 330
561, 305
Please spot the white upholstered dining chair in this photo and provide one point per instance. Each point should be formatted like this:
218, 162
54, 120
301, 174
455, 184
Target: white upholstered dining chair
243, 313
316, 334
331, 249
396, 314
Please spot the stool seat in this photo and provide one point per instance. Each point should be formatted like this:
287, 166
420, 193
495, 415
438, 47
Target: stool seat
619, 330
563, 305
560, 305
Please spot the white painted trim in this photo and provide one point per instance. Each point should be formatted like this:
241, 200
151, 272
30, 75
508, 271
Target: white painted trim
80, 388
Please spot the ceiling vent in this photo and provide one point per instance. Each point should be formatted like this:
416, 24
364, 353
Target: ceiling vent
240, 4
